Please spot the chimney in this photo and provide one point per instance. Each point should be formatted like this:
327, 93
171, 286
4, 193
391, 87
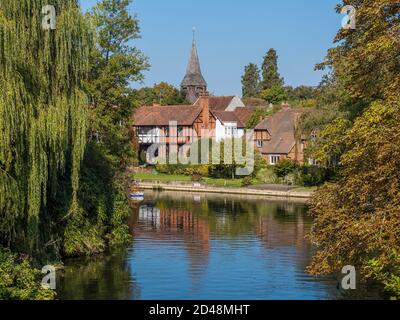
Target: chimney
204, 102
156, 105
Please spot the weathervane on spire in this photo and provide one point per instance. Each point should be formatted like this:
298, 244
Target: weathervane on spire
194, 33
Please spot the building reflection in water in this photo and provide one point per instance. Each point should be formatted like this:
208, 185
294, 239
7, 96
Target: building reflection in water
198, 223
178, 225
189, 246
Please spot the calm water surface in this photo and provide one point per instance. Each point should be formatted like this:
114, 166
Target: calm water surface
189, 246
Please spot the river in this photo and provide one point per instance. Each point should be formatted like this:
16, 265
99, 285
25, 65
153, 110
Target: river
200, 246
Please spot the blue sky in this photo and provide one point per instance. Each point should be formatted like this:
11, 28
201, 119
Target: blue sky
230, 34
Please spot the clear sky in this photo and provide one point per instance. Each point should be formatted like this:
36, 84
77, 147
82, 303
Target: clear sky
232, 33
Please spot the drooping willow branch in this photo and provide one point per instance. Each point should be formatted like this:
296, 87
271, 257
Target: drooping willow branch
43, 117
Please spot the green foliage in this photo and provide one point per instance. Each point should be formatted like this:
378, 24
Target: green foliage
251, 81
300, 93
115, 64
389, 278
43, 116
311, 176
275, 94
270, 74
284, 167
247, 181
103, 209
19, 280
268, 176
257, 116
180, 169
162, 93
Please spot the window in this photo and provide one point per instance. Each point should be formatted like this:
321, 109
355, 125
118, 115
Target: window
259, 143
274, 159
231, 130
312, 162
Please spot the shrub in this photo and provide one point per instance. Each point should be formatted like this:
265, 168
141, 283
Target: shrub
268, 176
247, 181
19, 280
285, 167
310, 176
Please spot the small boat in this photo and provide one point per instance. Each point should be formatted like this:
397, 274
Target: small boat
136, 194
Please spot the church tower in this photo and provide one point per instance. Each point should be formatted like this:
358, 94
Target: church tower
193, 84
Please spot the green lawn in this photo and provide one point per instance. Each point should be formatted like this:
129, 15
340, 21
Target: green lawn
181, 178
160, 177
229, 183
306, 189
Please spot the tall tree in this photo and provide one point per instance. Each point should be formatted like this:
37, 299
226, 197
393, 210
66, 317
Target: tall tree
43, 116
270, 74
358, 217
161, 93
115, 65
251, 81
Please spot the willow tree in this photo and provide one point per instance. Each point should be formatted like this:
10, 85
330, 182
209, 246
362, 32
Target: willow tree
42, 115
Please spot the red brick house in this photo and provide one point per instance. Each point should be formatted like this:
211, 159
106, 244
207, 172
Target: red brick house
178, 125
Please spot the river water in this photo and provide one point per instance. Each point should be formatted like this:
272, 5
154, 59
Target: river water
198, 246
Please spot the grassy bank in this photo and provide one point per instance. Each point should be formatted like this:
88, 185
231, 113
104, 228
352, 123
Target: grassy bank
229, 183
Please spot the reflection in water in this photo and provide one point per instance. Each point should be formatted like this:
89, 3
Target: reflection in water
104, 277
205, 247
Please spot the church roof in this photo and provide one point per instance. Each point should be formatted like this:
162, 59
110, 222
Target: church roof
193, 75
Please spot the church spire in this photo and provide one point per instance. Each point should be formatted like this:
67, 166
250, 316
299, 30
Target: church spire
193, 83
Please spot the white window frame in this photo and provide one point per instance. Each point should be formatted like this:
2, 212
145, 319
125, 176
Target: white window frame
231, 130
274, 159
259, 143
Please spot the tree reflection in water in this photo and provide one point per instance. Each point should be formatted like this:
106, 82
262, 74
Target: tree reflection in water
202, 246
103, 277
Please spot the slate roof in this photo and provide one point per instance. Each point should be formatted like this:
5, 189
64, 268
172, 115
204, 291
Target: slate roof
193, 75
281, 127
161, 116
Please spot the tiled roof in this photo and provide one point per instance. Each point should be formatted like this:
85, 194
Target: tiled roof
244, 114
228, 116
240, 116
219, 103
161, 116
281, 127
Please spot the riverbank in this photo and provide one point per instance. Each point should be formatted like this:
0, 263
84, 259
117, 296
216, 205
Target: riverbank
202, 188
